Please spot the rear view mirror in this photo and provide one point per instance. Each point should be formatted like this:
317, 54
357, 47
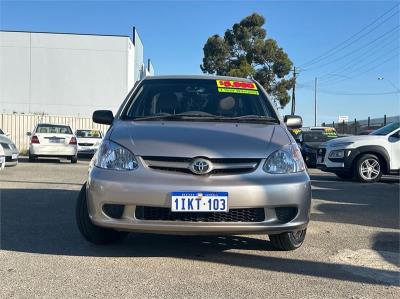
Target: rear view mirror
105, 117
293, 121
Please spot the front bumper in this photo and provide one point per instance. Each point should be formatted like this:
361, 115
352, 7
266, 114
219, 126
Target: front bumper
336, 165
88, 150
152, 188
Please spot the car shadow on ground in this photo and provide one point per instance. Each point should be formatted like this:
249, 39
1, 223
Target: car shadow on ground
44, 160
43, 221
356, 203
384, 242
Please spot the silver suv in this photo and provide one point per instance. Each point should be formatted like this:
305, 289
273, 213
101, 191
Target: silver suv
196, 155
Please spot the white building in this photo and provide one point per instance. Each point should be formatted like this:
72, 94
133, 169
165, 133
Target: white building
67, 74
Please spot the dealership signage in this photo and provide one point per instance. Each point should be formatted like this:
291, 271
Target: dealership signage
343, 118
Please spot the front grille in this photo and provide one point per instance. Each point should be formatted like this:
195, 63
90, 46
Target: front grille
85, 144
221, 166
286, 214
9, 159
234, 215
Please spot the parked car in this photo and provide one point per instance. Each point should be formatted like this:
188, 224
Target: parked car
310, 140
2, 158
52, 140
365, 157
88, 140
10, 150
196, 155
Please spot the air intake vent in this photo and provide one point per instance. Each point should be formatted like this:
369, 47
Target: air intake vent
234, 215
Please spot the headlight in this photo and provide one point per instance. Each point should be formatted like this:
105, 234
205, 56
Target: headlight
113, 156
338, 154
286, 160
341, 144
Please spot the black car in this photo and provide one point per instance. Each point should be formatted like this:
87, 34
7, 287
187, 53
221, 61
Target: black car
309, 141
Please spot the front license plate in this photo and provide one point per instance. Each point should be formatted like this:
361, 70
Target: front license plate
199, 202
14, 156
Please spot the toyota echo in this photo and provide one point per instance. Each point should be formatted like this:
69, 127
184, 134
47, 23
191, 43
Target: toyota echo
196, 155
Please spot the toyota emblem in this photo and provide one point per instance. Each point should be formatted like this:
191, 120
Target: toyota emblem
201, 166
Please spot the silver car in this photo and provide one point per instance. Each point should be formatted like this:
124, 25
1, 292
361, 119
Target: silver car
11, 152
196, 155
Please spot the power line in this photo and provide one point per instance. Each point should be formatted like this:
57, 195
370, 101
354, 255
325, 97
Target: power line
357, 49
365, 71
337, 47
349, 93
360, 59
358, 93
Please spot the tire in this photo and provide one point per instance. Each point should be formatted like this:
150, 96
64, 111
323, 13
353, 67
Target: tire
92, 233
32, 158
368, 169
288, 241
74, 159
344, 175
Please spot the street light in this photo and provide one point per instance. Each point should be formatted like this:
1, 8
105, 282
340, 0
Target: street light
391, 83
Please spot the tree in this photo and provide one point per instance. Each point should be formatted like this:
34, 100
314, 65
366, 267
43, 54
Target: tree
244, 51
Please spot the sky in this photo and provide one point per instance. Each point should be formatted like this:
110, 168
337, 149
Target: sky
174, 33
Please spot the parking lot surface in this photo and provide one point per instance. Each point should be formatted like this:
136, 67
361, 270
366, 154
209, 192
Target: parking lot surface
351, 249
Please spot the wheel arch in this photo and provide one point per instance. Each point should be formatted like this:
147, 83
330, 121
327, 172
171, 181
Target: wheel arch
376, 150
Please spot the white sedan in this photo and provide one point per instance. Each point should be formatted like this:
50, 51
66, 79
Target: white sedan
88, 140
50, 140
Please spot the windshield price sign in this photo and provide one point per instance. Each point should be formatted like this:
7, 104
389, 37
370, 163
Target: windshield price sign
237, 87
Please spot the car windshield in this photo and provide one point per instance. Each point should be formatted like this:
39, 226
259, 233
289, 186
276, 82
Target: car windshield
56, 129
318, 136
199, 99
88, 134
386, 129
1, 132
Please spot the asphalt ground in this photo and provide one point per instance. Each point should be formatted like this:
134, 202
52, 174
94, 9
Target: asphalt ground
351, 249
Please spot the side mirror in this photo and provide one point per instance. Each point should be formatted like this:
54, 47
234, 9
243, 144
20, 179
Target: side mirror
28, 134
105, 117
293, 121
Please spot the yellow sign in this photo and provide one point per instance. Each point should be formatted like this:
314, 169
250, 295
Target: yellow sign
237, 87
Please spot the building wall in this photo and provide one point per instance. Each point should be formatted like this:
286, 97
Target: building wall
64, 74
17, 125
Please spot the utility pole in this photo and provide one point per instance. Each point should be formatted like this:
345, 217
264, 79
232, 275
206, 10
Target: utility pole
294, 92
315, 102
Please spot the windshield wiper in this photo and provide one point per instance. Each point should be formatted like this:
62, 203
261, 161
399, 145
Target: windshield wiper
173, 117
254, 118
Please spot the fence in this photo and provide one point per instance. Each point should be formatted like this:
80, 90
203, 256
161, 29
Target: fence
361, 127
17, 125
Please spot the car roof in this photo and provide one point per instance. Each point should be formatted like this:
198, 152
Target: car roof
49, 124
88, 129
198, 77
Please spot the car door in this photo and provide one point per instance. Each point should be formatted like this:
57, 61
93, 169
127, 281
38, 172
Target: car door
394, 141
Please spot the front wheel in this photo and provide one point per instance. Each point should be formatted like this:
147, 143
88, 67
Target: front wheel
32, 158
92, 233
368, 169
288, 241
74, 159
